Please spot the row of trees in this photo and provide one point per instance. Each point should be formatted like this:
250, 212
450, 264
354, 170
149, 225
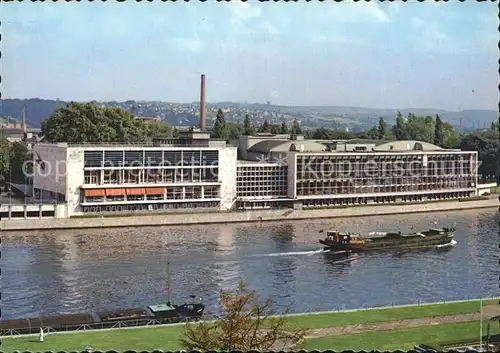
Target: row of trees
12, 158
88, 122
427, 129
232, 131
413, 127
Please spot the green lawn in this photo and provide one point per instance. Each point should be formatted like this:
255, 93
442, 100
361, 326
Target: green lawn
396, 340
145, 339
378, 315
166, 337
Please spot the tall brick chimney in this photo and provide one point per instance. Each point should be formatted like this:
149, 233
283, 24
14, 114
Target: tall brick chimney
202, 105
23, 124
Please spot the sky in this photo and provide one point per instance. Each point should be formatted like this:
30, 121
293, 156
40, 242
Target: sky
376, 55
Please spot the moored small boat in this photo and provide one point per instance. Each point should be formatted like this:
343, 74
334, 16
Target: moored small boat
338, 241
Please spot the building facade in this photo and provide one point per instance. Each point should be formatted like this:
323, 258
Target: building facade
334, 173
262, 185
196, 173
104, 179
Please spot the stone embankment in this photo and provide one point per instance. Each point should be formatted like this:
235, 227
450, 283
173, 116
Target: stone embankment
240, 216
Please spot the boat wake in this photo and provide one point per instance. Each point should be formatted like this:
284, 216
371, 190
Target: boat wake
451, 243
292, 253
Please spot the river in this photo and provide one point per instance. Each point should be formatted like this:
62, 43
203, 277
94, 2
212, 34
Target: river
90, 270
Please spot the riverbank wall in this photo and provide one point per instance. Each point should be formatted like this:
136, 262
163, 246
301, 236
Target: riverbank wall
241, 216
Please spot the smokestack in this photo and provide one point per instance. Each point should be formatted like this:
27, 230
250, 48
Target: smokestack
202, 104
23, 126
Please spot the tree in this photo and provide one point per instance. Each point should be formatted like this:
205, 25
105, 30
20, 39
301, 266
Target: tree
487, 144
265, 127
19, 154
419, 128
399, 129
373, 133
234, 131
248, 128
244, 325
275, 129
155, 129
382, 128
5, 151
451, 137
296, 130
438, 132
88, 122
284, 128
321, 134
220, 128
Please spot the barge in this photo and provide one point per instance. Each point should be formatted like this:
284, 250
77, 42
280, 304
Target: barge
152, 315
336, 241
165, 313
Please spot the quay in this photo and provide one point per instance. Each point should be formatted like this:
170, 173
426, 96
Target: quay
178, 219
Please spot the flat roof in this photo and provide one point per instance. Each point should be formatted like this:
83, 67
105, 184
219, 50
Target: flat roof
160, 307
149, 146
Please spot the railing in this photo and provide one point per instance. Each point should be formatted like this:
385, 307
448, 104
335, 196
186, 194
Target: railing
209, 316
177, 144
95, 326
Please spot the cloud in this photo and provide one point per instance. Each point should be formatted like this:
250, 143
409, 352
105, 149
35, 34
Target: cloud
242, 12
395, 6
430, 37
269, 29
333, 38
346, 12
192, 45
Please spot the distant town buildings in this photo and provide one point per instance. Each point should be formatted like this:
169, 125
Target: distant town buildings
15, 131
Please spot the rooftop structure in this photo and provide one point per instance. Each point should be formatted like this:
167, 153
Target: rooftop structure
148, 118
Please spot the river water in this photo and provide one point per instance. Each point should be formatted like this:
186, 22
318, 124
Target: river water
90, 270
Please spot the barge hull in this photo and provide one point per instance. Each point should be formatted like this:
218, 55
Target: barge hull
409, 243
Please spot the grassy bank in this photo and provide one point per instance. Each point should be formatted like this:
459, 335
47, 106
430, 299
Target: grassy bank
404, 339
121, 340
166, 337
386, 314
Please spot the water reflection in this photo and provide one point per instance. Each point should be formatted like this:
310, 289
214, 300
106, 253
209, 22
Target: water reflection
67, 271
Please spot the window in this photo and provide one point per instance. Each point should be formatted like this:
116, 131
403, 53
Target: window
92, 176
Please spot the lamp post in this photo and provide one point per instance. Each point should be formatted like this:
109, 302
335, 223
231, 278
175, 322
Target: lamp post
481, 325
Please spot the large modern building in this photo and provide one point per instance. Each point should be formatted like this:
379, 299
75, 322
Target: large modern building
329, 173
190, 172
194, 173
